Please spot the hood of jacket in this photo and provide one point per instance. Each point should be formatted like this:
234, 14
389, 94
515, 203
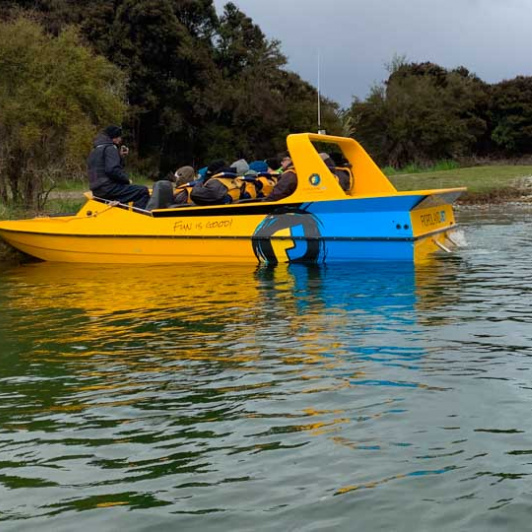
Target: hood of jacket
101, 140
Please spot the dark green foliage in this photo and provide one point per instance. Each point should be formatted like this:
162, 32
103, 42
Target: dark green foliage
54, 93
423, 113
200, 86
242, 46
511, 114
255, 103
157, 51
203, 86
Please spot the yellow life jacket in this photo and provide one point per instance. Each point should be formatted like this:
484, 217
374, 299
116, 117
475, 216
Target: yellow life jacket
257, 186
249, 189
184, 188
233, 185
267, 182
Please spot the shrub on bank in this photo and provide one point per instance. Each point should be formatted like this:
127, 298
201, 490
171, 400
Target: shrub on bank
55, 93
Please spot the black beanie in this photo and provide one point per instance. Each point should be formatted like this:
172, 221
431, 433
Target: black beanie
274, 163
216, 167
113, 131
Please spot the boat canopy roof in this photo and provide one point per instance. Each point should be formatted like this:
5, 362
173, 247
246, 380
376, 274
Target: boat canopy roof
316, 180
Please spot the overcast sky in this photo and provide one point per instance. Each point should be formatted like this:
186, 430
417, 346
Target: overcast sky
356, 38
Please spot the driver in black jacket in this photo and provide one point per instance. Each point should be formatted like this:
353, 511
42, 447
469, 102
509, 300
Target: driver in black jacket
107, 178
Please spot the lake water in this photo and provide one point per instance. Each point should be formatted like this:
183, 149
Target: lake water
226, 397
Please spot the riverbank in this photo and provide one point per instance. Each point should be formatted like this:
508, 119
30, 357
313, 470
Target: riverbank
485, 184
9, 255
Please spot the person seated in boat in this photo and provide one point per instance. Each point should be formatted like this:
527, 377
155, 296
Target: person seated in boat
249, 189
202, 173
342, 176
274, 166
240, 167
287, 181
214, 191
107, 177
260, 167
183, 175
256, 182
263, 180
185, 179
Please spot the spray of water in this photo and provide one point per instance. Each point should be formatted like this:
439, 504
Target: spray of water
458, 238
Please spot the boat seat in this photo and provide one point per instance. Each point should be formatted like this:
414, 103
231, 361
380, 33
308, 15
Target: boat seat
162, 196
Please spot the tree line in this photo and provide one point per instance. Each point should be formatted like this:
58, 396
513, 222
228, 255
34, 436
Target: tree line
424, 113
188, 85
191, 86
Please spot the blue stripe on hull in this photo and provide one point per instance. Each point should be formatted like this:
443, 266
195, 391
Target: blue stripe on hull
373, 229
340, 251
387, 217
365, 205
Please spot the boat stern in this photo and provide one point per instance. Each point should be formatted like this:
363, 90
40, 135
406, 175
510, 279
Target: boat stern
433, 221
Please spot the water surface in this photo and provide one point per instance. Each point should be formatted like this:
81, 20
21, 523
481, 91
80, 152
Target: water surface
227, 397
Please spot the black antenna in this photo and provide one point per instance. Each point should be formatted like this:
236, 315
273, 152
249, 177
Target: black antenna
320, 131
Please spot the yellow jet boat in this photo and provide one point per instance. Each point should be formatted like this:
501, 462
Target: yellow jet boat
318, 223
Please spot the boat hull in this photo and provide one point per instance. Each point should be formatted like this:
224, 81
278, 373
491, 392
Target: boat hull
158, 250
392, 228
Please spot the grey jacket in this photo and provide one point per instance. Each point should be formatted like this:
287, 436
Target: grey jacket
211, 192
104, 165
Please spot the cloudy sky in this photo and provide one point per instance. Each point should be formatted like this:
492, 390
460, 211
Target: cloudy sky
356, 38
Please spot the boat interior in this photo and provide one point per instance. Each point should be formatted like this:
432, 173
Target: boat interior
316, 181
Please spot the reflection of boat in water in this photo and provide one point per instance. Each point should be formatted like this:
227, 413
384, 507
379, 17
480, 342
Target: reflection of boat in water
268, 293
319, 222
289, 318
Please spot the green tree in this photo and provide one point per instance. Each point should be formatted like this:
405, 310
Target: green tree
201, 86
54, 95
243, 106
165, 48
511, 115
422, 113
255, 103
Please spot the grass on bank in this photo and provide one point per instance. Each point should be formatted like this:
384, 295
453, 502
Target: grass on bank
483, 182
81, 185
65, 197
444, 164
53, 206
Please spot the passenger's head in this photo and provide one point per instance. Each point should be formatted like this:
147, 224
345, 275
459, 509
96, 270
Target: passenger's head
286, 160
240, 167
114, 133
183, 175
202, 173
259, 166
274, 163
215, 168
